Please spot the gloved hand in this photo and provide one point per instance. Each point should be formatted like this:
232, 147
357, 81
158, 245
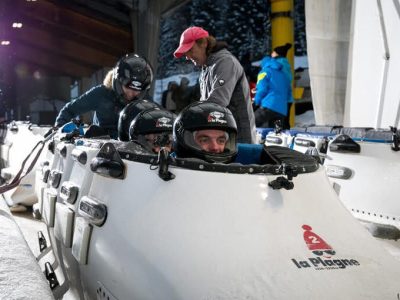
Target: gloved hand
70, 127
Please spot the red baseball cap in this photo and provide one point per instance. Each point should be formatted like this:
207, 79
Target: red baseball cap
188, 38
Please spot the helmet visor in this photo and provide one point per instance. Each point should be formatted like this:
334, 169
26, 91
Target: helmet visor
155, 141
211, 141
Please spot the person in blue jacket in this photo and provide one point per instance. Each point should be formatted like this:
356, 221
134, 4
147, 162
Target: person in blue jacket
280, 54
129, 80
273, 89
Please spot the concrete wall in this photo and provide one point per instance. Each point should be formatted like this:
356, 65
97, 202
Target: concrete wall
146, 26
327, 29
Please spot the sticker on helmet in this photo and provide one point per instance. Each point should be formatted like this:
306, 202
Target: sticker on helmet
164, 122
216, 117
136, 84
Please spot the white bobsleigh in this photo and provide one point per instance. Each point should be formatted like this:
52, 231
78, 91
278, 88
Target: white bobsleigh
365, 171
362, 163
20, 139
269, 227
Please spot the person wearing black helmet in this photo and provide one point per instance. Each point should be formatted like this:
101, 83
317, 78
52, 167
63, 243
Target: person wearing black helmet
205, 130
152, 128
129, 112
129, 80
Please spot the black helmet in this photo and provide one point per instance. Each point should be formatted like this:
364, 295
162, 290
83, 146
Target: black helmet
129, 112
201, 116
134, 72
152, 121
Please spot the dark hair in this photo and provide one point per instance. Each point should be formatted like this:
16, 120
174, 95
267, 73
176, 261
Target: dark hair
213, 45
283, 50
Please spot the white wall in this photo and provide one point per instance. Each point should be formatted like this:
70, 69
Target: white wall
373, 86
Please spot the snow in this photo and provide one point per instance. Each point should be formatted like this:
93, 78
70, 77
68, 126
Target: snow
300, 62
306, 119
20, 274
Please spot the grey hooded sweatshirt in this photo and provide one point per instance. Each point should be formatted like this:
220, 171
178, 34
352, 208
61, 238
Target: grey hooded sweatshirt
223, 81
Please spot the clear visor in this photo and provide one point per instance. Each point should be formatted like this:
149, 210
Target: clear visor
212, 141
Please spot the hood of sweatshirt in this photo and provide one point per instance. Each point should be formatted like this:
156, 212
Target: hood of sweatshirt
271, 63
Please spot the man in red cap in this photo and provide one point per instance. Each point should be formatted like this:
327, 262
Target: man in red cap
222, 78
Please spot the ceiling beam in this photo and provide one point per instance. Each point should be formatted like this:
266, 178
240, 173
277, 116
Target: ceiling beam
113, 12
57, 44
99, 44
56, 63
81, 26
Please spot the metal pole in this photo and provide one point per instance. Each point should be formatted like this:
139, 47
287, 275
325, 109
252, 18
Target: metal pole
282, 32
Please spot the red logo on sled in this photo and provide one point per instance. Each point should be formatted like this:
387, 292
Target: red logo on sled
316, 244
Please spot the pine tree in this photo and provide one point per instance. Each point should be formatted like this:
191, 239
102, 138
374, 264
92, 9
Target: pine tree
300, 41
249, 28
171, 28
245, 25
210, 15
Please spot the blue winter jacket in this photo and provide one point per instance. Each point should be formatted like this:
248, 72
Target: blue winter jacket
100, 99
273, 89
288, 71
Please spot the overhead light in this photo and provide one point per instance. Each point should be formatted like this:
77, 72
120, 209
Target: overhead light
5, 43
17, 25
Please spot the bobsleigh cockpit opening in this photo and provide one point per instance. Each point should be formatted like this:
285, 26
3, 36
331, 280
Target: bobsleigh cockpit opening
251, 159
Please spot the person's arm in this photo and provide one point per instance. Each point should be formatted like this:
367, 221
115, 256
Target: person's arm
87, 102
225, 74
262, 87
